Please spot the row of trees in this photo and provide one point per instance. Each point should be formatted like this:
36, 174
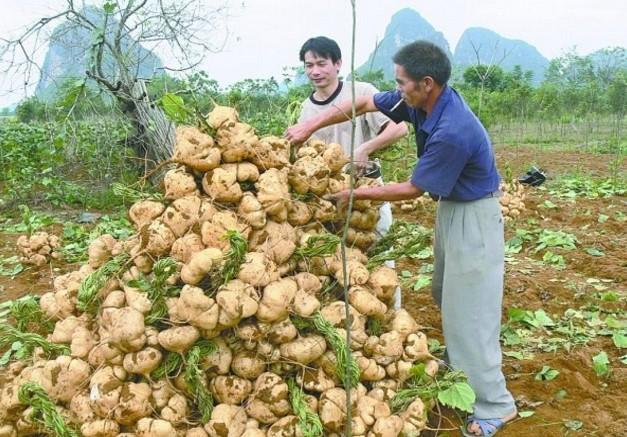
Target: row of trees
574, 86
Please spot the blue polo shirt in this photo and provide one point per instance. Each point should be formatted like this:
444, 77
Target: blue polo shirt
458, 161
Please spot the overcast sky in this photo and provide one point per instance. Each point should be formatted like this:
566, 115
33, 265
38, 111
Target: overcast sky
266, 35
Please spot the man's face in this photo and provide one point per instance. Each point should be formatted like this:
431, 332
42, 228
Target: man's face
322, 72
413, 93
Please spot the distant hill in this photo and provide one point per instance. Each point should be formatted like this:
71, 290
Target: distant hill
406, 26
492, 48
607, 61
69, 53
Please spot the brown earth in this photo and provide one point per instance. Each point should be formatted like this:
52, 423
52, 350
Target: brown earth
600, 404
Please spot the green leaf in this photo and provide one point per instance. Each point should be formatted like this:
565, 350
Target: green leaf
548, 204
593, 251
6, 357
514, 354
174, 107
422, 282
434, 346
546, 374
575, 425
520, 315
614, 323
620, 340
460, 395
108, 7
519, 355
553, 259
543, 319
603, 218
426, 268
524, 414
610, 296
600, 363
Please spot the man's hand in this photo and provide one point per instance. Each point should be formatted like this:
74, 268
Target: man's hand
341, 197
298, 133
360, 157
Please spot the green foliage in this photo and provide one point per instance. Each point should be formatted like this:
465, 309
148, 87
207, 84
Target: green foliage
169, 367
77, 238
235, 256
157, 289
195, 378
403, 240
561, 239
26, 312
31, 109
376, 78
601, 364
346, 368
484, 76
44, 411
174, 107
574, 86
449, 388
309, 422
22, 344
87, 297
546, 374
318, 245
16, 266
574, 185
73, 162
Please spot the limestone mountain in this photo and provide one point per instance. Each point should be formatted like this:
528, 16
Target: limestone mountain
487, 47
70, 52
406, 26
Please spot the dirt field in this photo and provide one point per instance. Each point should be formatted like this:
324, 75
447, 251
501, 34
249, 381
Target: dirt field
595, 404
577, 402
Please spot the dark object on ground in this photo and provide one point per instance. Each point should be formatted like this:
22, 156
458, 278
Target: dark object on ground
367, 169
534, 177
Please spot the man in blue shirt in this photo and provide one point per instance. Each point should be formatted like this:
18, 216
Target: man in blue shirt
456, 167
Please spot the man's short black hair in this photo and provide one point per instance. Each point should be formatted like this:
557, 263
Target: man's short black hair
322, 47
423, 58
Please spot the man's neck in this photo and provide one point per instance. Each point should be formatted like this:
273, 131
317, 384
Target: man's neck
326, 92
432, 99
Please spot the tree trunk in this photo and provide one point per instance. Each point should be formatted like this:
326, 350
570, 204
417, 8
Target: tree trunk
155, 135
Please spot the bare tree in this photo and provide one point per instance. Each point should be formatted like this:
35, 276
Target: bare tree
184, 31
484, 73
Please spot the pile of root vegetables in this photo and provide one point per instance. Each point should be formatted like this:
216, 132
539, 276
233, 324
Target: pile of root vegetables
224, 314
38, 248
513, 199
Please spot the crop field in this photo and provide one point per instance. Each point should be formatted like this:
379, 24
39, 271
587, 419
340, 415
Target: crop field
564, 320
564, 314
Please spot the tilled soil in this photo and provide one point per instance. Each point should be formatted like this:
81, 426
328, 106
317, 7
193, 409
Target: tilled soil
577, 394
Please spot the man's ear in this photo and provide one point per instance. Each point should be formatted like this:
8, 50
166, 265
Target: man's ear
338, 65
429, 83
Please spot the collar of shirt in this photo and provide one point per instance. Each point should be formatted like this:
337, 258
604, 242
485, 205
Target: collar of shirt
432, 119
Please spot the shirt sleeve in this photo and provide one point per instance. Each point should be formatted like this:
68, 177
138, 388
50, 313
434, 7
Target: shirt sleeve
439, 168
376, 120
303, 112
388, 103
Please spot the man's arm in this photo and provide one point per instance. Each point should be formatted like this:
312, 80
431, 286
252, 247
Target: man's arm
299, 133
388, 192
390, 133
